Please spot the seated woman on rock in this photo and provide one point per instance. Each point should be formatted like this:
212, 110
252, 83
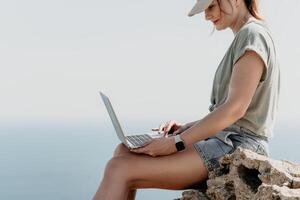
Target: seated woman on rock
243, 106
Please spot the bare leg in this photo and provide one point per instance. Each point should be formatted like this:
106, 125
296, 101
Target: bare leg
129, 171
122, 150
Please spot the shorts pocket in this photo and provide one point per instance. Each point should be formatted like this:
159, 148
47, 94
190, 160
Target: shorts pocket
226, 148
245, 142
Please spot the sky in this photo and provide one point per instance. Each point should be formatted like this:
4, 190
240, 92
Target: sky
149, 57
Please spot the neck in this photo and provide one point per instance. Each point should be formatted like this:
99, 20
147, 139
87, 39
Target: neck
241, 20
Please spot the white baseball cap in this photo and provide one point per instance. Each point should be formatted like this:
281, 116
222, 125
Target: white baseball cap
199, 7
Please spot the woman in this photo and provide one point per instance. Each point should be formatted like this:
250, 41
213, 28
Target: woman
243, 106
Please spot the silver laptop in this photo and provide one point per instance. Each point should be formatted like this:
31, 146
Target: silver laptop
131, 141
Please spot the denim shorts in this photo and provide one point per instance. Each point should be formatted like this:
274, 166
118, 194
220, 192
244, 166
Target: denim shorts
226, 141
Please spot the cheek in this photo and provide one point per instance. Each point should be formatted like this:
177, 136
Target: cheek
224, 20
226, 13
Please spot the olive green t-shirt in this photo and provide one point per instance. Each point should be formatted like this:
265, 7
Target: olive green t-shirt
260, 115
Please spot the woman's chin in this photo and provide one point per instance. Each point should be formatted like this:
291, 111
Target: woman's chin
219, 28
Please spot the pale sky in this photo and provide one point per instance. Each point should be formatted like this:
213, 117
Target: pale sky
152, 60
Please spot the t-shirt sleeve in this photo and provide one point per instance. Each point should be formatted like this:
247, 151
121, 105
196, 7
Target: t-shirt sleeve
251, 40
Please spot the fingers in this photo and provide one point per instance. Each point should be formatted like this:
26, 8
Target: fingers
146, 143
165, 127
138, 150
169, 126
162, 127
179, 130
143, 150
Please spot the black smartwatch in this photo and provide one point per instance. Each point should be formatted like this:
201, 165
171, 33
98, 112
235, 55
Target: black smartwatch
179, 143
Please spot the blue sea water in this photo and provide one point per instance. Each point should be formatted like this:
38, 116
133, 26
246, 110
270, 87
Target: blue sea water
65, 160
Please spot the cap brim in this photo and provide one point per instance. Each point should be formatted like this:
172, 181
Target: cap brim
199, 7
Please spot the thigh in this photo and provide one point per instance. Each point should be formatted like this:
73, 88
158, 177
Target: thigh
176, 171
121, 150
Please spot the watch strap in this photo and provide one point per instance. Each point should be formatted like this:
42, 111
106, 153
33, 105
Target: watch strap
179, 143
178, 138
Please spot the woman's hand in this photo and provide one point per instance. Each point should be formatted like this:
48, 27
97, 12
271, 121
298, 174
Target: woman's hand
158, 147
170, 127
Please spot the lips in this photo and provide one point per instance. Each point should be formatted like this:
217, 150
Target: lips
215, 22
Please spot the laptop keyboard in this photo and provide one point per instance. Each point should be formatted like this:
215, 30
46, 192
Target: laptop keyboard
138, 140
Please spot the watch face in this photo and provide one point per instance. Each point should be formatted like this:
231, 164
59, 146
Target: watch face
180, 146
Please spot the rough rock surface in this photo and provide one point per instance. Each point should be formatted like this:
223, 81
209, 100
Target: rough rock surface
247, 175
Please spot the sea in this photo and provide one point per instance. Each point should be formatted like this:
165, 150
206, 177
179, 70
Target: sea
64, 160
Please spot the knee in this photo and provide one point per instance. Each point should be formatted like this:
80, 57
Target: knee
121, 150
117, 167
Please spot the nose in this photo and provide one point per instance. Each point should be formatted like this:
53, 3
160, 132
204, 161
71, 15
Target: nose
207, 15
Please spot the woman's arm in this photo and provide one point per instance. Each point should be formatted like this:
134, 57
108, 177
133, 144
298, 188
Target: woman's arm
184, 127
245, 78
244, 81
190, 124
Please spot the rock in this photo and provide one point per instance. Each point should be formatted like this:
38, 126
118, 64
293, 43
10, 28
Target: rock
247, 175
193, 195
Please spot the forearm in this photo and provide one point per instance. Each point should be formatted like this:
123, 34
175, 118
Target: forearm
190, 124
214, 122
